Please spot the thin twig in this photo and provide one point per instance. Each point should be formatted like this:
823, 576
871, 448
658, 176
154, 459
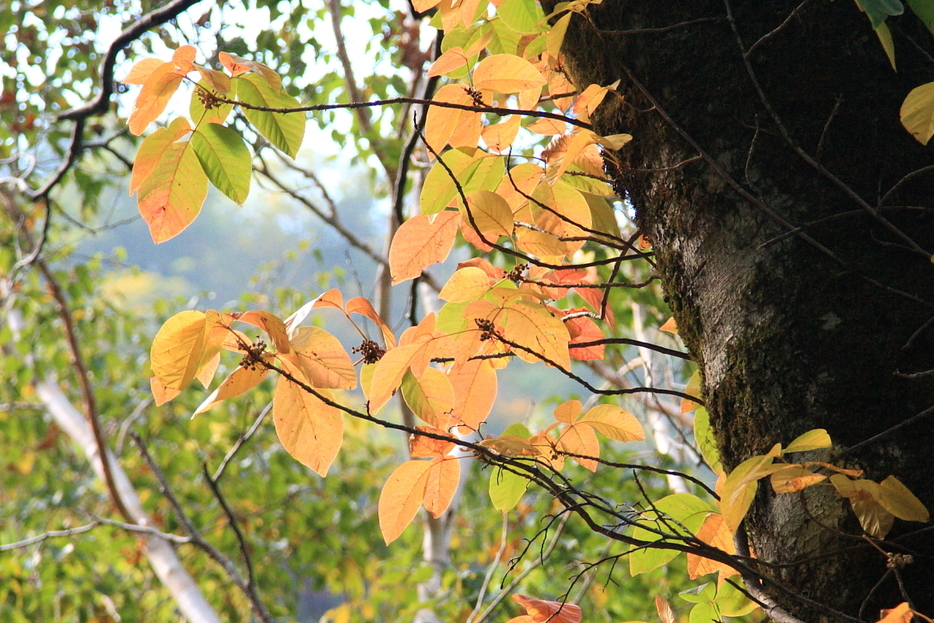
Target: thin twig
242, 439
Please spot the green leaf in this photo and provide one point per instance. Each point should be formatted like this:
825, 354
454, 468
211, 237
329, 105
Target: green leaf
703, 436
924, 9
225, 159
200, 114
885, 38
522, 16
506, 489
474, 171
680, 508
284, 130
700, 594
878, 10
704, 613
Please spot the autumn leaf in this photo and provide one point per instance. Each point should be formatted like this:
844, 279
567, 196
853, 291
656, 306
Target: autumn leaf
431, 396
542, 334
361, 306
238, 66
898, 500
488, 214
158, 88
713, 532
475, 387
541, 610
454, 126
308, 428
322, 359
451, 60
388, 374
466, 284
613, 422
441, 484
425, 447
500, 136
240, 380
153, 147
901, 613
421, 242
579, 439
171, 195
506, 73
177, 348
401, 497
815, 439
160, 393
794, 478
568, 411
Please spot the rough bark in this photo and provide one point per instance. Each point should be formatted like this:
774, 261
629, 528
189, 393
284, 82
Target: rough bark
793, 329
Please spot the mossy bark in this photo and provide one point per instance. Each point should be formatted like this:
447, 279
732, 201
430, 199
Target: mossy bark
794, 329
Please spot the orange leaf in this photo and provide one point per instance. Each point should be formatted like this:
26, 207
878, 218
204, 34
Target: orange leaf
551, 611
506, 73
454, 126
422, 447
237, 66
548, 127
665, 613
239, 381
401, 497
420, 242
901, 613
580, 439
475, 388
308, 428
451, 60
142, 70
568, 411
359, 305
271, 324
443, 478
388, 374
715, 532
584, 330
563, 150
670, 326
160, 393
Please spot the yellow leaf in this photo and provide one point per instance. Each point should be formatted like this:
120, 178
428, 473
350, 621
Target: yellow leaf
812, 440
423, 5
474, 384
555, 37
322, 359
421, 446
741, 485
153, 98
308, 428
506, 73
271, 324
239, 381
715, 532
488, 214
614, 422
794, 478
431, 396
614, 141
865, 496
152, 149
898, 500
511, 445
420, 242
694, 389
466, 284
669, 326
177, 349
539, 243
442, 479
917, 112
170, 198
218, 81
401, 497
563, 150
541, 333
499, 136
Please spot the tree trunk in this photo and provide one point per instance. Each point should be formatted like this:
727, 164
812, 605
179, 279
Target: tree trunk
793, 329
